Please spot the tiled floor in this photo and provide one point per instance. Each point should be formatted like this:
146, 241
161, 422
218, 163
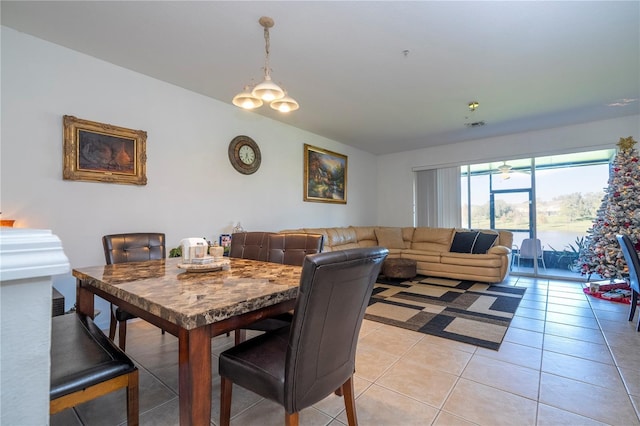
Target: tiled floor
567, 359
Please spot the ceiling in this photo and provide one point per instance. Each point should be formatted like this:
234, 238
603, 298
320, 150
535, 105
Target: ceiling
384, 77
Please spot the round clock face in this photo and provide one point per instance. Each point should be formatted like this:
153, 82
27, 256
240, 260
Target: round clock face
247, 154
244, 154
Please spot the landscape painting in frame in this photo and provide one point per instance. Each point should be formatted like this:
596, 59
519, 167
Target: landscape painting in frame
325, 176
103, 153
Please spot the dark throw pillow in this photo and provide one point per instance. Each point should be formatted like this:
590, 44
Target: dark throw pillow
463, 242
483, 243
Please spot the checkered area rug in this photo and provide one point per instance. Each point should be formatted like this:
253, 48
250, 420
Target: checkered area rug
465, 311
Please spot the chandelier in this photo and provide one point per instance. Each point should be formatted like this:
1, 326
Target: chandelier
267, 91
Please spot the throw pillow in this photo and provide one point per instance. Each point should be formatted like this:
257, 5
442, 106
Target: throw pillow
463, 242
483, 243
390, 238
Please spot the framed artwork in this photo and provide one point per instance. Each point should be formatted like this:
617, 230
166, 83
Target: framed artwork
99, 152
225, 242
325, 176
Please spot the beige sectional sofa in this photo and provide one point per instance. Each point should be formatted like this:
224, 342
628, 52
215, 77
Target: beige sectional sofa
430, 248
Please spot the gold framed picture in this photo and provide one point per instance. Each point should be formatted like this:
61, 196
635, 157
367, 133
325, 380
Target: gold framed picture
325, 176
98, 152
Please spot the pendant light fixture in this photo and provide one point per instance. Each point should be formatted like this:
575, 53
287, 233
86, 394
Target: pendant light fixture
267, 91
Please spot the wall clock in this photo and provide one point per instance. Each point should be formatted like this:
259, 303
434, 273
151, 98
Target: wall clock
244, 154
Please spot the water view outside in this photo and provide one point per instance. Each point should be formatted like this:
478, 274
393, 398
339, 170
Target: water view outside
566, 201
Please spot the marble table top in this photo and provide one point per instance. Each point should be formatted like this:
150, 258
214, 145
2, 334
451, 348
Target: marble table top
194, 299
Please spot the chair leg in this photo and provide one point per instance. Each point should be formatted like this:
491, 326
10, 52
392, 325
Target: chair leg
350, 402
122, 334
112, 324
291, 419
133, 404
240, 335
226, 386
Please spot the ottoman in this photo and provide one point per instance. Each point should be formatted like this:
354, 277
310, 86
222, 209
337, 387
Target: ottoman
399, 268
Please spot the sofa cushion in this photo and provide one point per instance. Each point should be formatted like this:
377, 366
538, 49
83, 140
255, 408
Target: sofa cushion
463, 242
366, 236
432, 239
483, 243
476, 261
390, 237
339, 239
407, 236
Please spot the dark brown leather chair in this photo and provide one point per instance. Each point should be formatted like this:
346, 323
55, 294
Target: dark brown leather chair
287, 249
633, 263
291, 249
132, 247
298, 366
250, 245
86, 365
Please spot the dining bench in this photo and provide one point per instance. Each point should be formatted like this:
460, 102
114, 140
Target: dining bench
86, 364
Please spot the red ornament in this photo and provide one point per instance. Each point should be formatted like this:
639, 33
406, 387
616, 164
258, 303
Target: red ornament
634, 159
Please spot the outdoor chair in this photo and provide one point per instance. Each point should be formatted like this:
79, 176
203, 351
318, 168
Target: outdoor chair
531, 249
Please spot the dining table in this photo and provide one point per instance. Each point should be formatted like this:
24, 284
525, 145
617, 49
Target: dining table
194, 305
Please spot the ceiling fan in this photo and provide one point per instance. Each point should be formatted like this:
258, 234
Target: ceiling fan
504, 170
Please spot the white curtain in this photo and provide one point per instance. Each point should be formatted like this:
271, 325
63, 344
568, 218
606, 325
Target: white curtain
438, 195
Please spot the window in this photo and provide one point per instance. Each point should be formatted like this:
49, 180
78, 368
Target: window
552, 198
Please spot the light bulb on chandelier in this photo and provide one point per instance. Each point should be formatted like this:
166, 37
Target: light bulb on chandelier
267, 90
246, 100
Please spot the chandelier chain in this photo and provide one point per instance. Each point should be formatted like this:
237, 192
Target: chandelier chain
267, 45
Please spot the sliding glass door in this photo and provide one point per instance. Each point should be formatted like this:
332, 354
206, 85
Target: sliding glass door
553, 199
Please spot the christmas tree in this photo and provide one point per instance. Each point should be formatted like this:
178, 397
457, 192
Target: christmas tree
619, 214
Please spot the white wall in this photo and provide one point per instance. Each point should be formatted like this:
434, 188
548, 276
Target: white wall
192, 189
396, 171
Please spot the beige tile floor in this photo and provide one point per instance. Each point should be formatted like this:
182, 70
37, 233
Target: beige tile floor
567, 359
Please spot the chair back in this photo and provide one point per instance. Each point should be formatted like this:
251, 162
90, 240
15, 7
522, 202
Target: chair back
631, 257
531, 248
335, 288
133, 247
250, 245
291, 249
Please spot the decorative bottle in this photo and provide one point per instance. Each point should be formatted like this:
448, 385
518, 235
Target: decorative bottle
216, 251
